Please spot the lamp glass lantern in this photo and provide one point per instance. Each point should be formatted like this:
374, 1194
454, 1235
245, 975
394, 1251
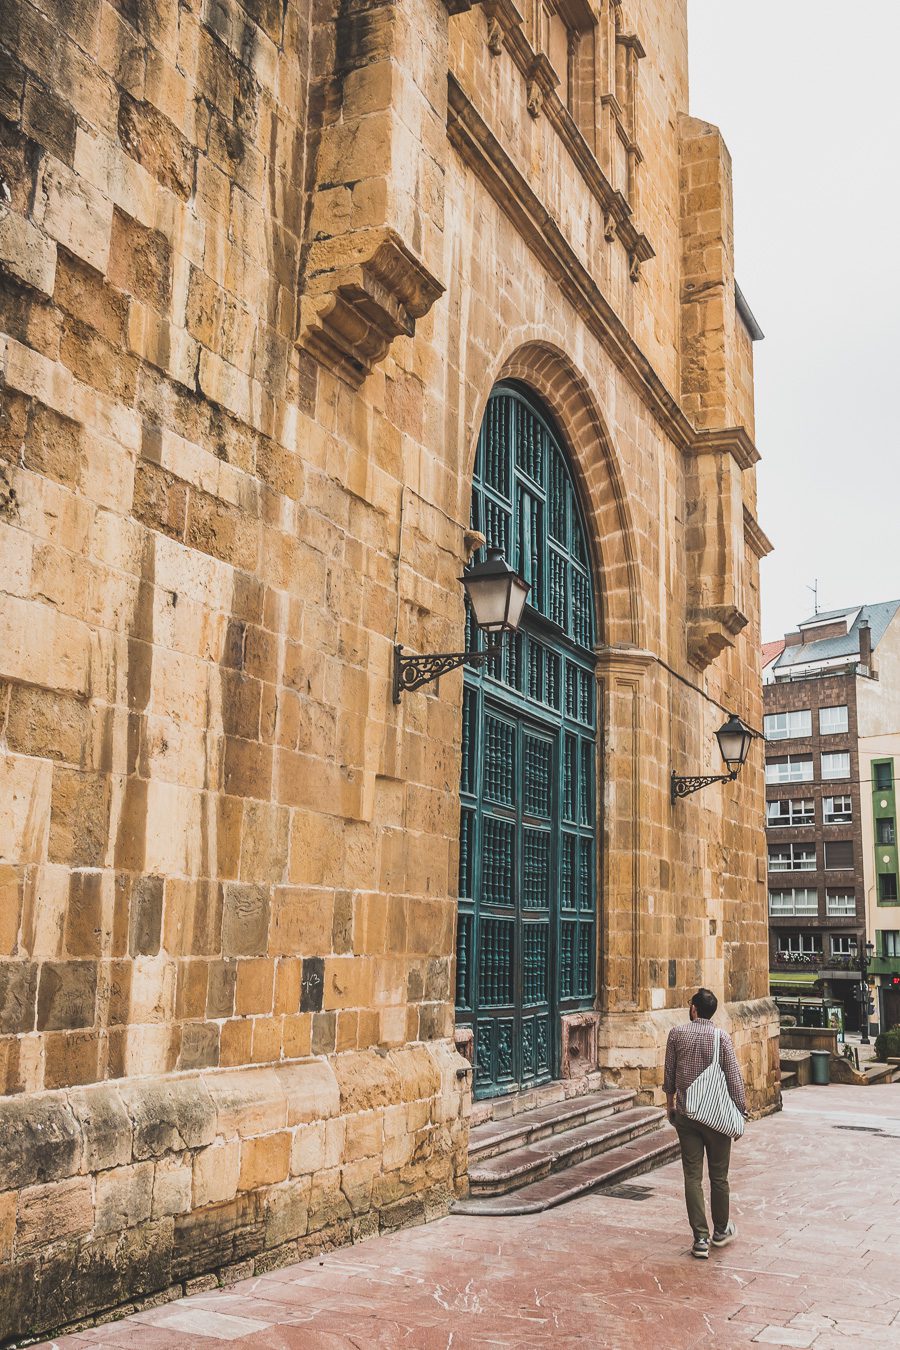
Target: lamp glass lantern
496, 593
497, 596
735, 739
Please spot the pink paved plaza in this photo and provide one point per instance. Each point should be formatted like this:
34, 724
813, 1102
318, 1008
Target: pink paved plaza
816, 1197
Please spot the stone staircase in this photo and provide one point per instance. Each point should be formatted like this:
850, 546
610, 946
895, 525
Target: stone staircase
553, 1153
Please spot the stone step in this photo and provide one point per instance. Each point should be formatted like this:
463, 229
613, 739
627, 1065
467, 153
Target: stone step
617, 1164
788, 1080
520, 1167
500, 1136
879, 1073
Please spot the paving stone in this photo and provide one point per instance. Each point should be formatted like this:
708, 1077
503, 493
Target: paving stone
603, 1273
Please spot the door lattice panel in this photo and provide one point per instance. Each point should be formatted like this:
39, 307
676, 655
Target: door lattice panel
526, 936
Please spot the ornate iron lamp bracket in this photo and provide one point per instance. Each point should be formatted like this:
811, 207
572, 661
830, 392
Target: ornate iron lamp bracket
684, 785
411, 672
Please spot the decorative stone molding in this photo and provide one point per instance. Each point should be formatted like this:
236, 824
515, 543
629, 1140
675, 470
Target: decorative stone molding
734, 441
363, 290
492, 165
757, 542
542, 97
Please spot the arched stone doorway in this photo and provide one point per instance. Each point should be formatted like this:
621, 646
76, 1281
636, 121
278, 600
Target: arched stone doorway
527, 924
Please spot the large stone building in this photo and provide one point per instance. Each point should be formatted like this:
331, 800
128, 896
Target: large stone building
832, 726
272, 274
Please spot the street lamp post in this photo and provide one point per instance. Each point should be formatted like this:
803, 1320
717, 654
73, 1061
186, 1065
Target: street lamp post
865, 952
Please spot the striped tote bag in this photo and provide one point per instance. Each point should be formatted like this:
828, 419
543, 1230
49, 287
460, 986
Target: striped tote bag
708, 1100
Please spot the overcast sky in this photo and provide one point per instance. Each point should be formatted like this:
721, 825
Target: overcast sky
807, 95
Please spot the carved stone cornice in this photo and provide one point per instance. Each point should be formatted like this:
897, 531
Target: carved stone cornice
492, 165
733, 441
542, 91
756, 541
362, 291
632, 42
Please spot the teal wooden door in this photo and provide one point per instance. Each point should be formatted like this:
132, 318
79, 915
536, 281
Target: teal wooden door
526, 932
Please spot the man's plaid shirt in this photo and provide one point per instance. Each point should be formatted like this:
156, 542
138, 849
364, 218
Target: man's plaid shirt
689, 1050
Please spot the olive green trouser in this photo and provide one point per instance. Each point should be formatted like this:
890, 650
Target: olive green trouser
695, 1140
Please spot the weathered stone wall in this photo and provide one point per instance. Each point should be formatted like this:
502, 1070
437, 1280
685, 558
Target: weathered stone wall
260, 272
134, 1189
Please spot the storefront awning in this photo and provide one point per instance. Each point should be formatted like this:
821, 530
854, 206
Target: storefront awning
792, 980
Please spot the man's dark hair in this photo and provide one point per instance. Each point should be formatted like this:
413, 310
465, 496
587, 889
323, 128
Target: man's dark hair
705, 1002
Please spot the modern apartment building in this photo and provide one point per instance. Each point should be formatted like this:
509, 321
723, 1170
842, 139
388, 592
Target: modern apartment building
832, 726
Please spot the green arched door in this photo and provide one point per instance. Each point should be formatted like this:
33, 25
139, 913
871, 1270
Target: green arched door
527, 924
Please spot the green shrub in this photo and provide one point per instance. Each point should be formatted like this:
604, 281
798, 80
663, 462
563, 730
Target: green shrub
887, 1044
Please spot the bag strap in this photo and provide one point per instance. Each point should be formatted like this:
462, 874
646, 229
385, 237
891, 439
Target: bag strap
717, 1047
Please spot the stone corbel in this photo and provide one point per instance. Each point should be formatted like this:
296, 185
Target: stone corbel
503, 17
711, 630
362, 291
542, 80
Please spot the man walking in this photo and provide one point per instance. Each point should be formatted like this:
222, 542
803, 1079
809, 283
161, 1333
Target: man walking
689, 1050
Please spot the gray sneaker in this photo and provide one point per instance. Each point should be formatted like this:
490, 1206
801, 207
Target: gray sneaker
722, 1239
700, 1249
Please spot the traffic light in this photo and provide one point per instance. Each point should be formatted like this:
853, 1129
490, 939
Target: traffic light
895, 981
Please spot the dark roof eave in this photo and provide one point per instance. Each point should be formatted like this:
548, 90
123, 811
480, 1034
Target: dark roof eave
746, 313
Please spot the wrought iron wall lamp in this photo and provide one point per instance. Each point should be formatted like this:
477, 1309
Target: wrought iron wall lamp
497, 595
734, 738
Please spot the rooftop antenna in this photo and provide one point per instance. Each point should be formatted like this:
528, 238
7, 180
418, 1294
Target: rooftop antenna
815, 590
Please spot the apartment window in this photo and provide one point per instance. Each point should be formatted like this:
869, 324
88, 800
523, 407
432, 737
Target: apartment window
840, 904
792, 858
833, 720
887, 887
838, 855
791, 811
804, 903
787, 726
890, 942
799, 944
836, 766
885, 832
843, 945
790, 769
883, 775
837, 810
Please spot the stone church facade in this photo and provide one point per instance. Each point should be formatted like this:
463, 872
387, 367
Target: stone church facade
298, 302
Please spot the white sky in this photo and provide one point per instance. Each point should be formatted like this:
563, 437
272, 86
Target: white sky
807, 95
